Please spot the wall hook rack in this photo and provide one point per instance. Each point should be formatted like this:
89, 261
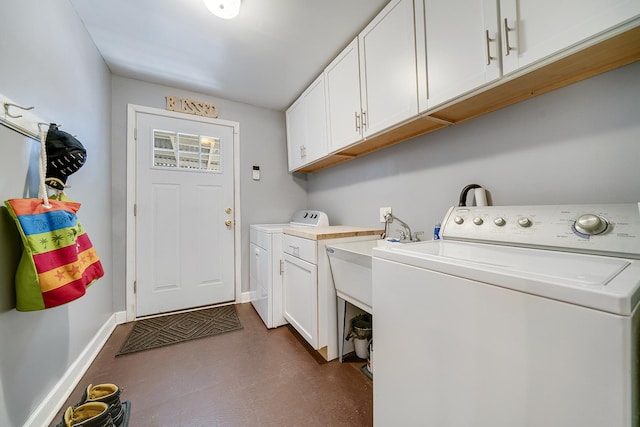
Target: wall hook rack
6, 106
24, 122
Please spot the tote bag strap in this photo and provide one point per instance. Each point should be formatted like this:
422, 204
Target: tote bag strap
42, 168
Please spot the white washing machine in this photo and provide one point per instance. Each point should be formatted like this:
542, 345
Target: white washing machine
266, 264
519, 316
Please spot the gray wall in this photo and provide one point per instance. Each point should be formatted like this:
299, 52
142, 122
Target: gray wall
579, 144
49, 61
272, 199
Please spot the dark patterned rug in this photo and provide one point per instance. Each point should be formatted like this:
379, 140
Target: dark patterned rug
176, 328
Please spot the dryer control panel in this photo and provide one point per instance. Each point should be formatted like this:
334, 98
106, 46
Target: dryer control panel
602, 229
310, 219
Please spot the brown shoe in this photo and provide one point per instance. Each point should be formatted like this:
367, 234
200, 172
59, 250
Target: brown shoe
108, 394
92, 414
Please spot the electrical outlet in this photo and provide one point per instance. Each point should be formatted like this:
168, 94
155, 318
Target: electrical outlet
383, 213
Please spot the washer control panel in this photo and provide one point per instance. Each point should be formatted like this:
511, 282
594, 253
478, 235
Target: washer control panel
604, 229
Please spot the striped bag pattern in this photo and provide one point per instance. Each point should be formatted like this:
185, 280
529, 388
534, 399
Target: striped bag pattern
59, 261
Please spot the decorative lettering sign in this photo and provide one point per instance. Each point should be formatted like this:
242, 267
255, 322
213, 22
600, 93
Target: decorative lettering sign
189, 106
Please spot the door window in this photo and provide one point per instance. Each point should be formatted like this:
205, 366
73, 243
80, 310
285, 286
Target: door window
185, 151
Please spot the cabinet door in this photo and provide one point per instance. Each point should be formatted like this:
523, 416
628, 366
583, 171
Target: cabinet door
296, 134
316, 146
538, 28
388, 68
307, 126
300, 297
342, 80
462, 47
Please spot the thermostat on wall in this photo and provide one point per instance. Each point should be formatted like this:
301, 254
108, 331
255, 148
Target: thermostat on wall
256, 173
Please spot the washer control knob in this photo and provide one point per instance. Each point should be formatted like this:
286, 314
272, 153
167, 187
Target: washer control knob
524, 222
591, 224
499, 221
458, 220
477, 220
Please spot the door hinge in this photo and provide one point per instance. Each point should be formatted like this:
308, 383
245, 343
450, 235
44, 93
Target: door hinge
135, 134
135, 209
135, 286
281, 267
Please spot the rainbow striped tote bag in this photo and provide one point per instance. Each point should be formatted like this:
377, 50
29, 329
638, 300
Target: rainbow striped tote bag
58, 261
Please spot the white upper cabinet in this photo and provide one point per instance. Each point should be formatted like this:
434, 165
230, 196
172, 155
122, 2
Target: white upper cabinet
421, 65
296, 134
344, 113
463, 45
535, 29
458, 48
388, 68
372, 85
307, 126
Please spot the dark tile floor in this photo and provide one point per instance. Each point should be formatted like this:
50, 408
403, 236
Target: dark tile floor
251, 377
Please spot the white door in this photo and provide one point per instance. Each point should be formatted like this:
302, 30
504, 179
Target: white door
184, 213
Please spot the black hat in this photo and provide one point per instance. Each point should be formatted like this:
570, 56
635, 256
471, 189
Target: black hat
65, 155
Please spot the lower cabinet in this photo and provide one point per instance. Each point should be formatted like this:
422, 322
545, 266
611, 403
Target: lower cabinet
301, 297
308, 294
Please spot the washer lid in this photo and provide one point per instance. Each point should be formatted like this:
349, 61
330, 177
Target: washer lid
604, 283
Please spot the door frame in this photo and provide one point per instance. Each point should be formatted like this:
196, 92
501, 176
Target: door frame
130, 269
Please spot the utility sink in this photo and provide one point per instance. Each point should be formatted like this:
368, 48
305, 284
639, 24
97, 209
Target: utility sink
351, 270
352, 276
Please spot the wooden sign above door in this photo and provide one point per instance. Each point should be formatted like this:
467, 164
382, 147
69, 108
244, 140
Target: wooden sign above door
189, 106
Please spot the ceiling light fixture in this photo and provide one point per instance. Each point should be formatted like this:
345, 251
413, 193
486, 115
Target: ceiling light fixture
226, 9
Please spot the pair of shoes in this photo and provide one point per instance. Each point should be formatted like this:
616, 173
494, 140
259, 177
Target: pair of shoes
108, 394
91, 414
99, 407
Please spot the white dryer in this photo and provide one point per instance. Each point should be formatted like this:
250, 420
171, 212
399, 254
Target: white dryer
266, 264
265, 278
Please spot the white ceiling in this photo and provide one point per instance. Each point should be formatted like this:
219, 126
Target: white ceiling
265, 57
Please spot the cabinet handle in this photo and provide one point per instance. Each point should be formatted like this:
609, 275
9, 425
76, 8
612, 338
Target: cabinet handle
357, 121
488, 40
364, 119
303, 151
507, 47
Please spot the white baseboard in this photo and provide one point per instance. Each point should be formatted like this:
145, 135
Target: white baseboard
244, 297
45, 413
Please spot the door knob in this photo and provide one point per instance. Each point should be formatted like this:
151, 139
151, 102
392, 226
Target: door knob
228, 223
227, 211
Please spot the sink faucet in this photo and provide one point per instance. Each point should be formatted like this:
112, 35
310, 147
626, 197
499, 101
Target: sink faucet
404, 234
